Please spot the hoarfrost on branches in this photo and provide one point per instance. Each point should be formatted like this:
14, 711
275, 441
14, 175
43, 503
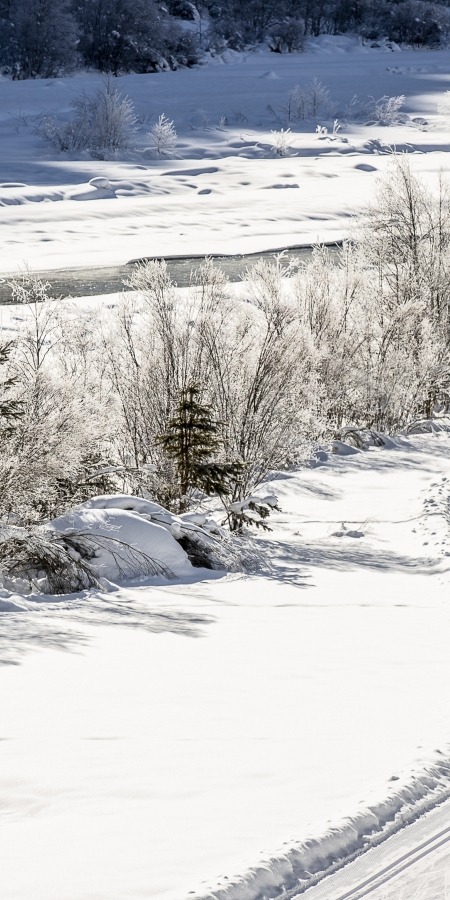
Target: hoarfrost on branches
386, 110
104, 122
281, 141
164, 136
360, 338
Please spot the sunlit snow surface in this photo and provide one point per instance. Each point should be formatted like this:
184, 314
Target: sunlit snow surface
227, 191
159, 738
165, 738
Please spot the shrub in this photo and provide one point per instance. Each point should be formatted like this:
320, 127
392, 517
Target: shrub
63, 563
164, 136
386, 110
281, 141
307, 102
103, 124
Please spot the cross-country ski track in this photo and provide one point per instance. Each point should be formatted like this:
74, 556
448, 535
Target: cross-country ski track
374, 869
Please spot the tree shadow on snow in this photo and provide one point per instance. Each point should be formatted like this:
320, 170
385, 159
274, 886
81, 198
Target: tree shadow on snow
56, 628
22, 632
290, 562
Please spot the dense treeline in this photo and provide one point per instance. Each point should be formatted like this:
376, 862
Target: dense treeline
287, 21
43, 38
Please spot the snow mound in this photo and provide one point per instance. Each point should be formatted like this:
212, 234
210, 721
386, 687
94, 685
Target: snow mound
119, 532
207, 544
341, 449
11, 602
176, 525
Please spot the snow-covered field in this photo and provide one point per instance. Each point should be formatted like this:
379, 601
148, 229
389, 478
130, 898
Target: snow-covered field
226, 191
158, 740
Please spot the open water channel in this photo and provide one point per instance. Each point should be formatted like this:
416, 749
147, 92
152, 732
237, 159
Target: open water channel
91, 281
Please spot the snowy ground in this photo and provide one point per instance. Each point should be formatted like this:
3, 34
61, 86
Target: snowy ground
168, 738
413, 864
164, 739
227, 191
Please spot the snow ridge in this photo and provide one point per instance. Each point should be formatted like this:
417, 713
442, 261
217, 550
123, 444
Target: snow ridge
305, 864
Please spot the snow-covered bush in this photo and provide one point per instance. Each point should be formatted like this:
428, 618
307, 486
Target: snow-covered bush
68, 136
46, 561
281, 141
306, 102
164, 136
251, 512
386, 110
104, 122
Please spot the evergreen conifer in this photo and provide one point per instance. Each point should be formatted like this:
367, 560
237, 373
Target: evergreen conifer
191, 441
10, 409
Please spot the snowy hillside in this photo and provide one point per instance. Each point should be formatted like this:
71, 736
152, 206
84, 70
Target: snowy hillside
158, 740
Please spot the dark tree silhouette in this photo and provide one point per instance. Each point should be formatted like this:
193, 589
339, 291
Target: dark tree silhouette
10, 408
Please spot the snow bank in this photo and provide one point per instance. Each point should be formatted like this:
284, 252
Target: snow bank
306, 863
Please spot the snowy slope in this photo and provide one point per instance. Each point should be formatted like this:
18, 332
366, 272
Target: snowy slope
227, 191
168, 739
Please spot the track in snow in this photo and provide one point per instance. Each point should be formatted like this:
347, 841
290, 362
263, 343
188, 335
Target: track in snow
380, 878
374, 869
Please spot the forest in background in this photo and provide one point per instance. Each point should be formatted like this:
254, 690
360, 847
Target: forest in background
46, 38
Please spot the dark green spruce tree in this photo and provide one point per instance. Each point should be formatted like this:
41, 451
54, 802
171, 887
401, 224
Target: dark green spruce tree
10, 409
191, 441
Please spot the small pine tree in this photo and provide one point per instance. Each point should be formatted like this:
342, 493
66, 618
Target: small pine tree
191, 441
10, 409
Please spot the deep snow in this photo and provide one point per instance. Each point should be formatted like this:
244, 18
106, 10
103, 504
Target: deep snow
195, 729
227, 191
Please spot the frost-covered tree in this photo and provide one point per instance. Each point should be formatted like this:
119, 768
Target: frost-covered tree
164, 136
58, 443
103, 123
